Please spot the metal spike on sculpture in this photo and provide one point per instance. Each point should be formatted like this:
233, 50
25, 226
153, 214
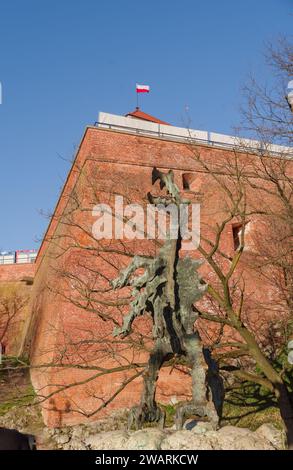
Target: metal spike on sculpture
167, 290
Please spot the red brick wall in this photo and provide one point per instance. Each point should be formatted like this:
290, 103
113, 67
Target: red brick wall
116, 163
16, 272
11, 286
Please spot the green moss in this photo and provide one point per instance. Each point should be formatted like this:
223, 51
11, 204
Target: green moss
250, 406
25, 398
170, 411
16, 389
16, 362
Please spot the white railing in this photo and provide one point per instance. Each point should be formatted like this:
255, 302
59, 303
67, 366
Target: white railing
139, 126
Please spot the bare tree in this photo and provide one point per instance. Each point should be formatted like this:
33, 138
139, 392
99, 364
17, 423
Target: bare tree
266, 114
243, 316
256, 192
12, 303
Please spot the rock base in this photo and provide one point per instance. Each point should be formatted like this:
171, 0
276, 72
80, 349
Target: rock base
197, 437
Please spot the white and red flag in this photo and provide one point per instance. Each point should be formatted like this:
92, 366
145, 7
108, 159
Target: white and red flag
142, 88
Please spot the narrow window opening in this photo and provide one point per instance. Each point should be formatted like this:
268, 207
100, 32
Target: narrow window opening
237, 233
189, 181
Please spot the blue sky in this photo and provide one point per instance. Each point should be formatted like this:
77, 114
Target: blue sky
61, 62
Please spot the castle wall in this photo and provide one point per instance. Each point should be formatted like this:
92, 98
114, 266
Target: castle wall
70, 332
15, 289
16, 272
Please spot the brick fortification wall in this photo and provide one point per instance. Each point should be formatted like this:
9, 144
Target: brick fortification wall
75, 335
16, 272
15, 286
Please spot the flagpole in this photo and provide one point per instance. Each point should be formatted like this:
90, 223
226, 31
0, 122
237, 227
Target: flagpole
136, 99
141, 89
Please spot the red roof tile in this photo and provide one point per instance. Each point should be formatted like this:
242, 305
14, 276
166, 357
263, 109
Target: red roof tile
138, 114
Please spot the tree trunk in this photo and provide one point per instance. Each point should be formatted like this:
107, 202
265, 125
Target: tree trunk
286, 410
281, 391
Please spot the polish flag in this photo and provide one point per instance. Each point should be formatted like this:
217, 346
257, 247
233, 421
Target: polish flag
142, 88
